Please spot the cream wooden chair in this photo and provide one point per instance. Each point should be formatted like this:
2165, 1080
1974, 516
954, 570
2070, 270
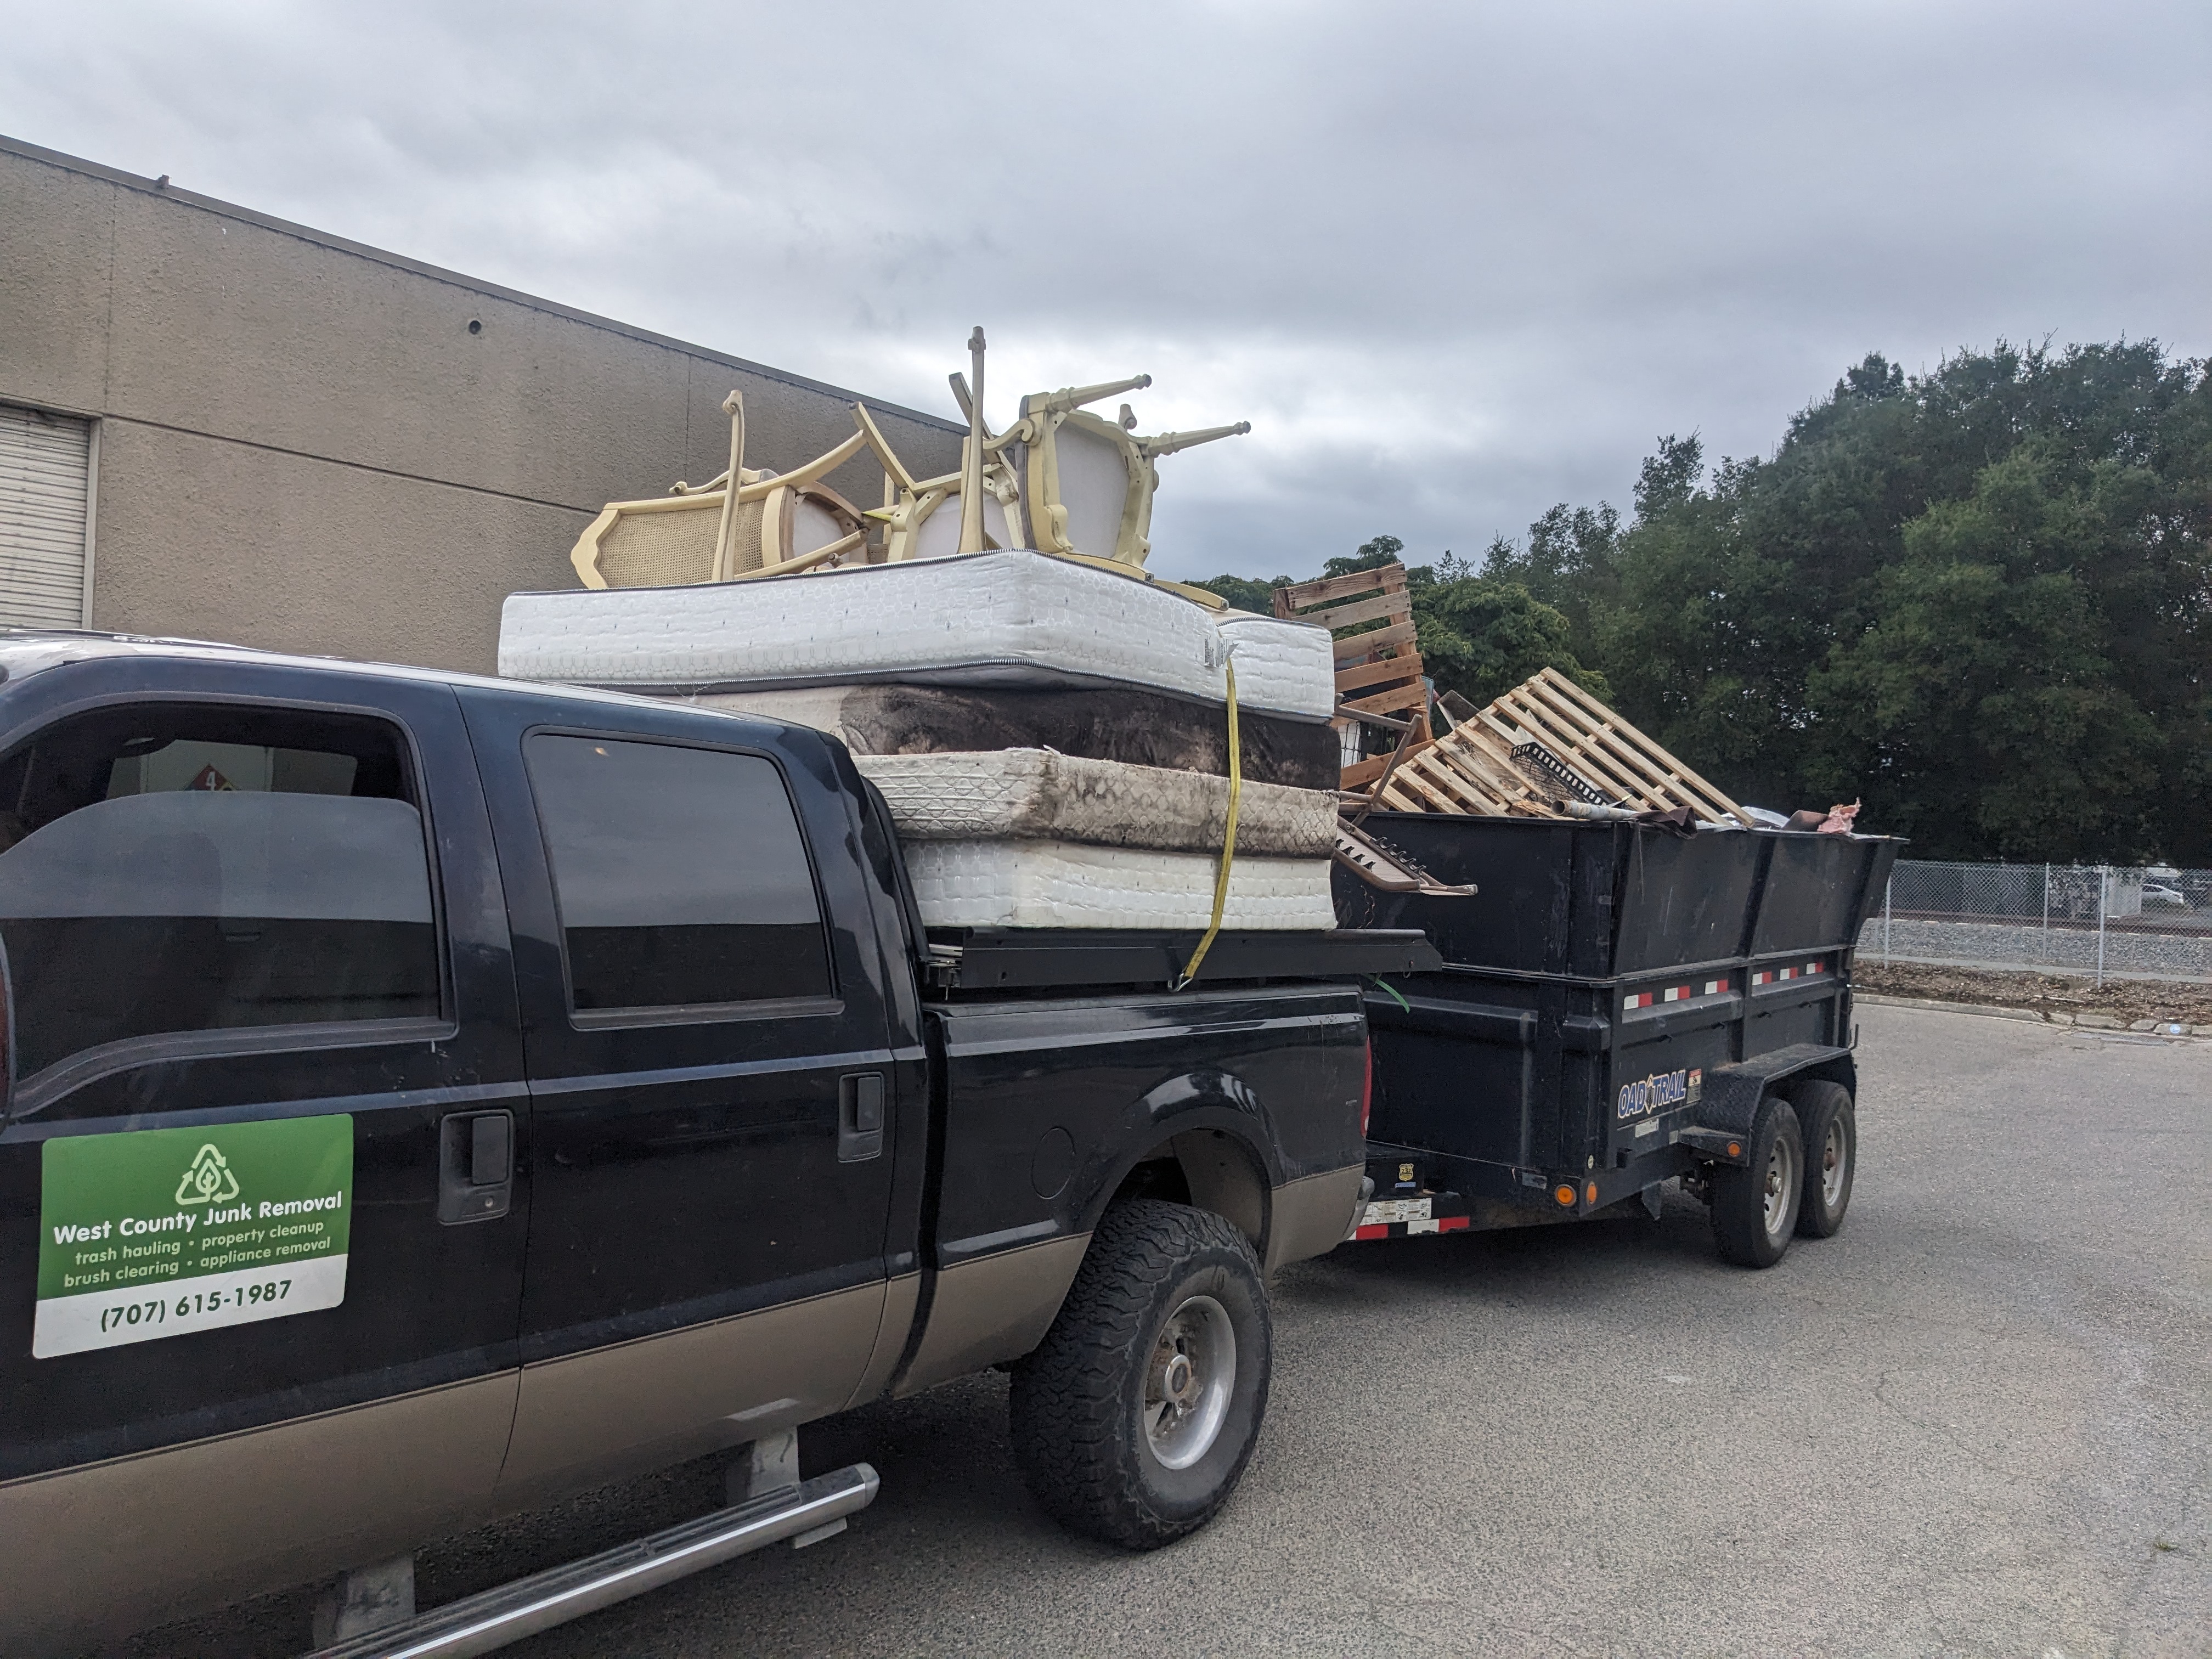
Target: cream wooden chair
771, 524
1087, 482
1060, 479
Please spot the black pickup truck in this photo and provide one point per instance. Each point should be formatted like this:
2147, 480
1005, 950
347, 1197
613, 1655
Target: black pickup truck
429, 1097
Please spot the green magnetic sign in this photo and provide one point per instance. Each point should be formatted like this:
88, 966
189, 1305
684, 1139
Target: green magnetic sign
161, 1232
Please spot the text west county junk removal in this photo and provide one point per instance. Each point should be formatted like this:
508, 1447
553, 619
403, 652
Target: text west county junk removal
162, 1231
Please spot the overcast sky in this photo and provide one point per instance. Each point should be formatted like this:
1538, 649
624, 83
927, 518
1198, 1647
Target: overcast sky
1454, 262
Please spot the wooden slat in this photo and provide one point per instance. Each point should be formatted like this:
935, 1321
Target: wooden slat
1417, 783
1301, 595
1574, 695
1360, 644
1396, 795
1387, 702
1359, 776
1470, 794
1596, 747
1499, 786
1576, 749
1340, 616
1378, 673
1611, 754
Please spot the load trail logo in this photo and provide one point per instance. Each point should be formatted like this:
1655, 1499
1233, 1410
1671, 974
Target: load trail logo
209, 1180
152, 1233
1657, 1092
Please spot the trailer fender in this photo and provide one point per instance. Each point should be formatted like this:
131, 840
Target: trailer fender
1729, 1105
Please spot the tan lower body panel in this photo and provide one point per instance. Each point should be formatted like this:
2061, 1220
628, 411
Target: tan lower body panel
1312, 1214
998, 1306
901, 1296
102, 1550
658, 1399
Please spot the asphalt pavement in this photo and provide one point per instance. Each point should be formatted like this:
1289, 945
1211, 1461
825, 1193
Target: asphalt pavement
1978, 1421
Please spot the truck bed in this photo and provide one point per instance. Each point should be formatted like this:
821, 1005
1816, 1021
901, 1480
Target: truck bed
1000, 959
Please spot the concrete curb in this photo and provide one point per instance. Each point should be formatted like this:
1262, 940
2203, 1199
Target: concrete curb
2172, 1030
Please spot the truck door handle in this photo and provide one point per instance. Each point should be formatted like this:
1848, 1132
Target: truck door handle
859, 1117
476, 1166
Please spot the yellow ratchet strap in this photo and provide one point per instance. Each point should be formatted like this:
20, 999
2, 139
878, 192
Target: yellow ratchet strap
1228, 839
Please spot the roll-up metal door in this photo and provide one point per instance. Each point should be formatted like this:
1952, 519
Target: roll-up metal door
45, 494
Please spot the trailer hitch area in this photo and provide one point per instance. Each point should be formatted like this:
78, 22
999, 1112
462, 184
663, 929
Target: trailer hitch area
1717, 1145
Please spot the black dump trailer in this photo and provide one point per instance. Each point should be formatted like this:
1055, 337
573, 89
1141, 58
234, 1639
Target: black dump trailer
1618, 1006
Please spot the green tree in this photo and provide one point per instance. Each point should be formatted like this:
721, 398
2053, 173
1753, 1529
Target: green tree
1568, 562
1976, 596
1991, 690
1480, 636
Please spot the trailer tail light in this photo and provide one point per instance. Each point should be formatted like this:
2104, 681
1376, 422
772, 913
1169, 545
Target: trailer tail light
1367, 1088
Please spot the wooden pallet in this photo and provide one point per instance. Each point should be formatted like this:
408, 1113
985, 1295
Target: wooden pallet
1472, 769
1378, 670
1469, 769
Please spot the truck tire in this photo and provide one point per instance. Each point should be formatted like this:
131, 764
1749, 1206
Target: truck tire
1133, 1420
1755, 1207
1831, 1123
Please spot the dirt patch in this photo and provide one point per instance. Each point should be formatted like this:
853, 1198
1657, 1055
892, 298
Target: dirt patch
2125, 999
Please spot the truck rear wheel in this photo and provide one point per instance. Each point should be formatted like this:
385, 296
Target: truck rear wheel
1831, 1123
1755, 1207
1134, 1418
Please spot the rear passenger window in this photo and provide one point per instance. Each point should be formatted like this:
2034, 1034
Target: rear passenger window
680, 873
181, 868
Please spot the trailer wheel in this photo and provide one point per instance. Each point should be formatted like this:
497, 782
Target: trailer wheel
1133, 1420
1755, 1207
1831, 1155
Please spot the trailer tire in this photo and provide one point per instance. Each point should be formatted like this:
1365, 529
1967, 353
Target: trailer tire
1133, 1419
1831, 1124
1755, 1207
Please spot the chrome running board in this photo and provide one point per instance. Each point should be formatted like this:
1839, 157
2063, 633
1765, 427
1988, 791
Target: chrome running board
494, 1618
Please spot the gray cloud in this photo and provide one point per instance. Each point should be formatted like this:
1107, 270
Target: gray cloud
1453, 262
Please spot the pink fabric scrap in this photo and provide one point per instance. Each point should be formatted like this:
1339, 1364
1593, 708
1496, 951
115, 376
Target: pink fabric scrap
1839, 819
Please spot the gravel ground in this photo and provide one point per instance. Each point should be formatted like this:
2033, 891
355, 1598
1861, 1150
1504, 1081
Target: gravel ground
2125, 999
1974, 1423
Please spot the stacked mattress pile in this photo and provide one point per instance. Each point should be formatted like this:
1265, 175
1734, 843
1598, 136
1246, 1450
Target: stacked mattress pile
1051, 737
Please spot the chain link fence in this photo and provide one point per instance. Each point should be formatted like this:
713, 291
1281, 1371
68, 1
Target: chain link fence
2096, 919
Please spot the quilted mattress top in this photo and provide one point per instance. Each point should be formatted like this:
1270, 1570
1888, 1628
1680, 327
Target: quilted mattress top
1003, 619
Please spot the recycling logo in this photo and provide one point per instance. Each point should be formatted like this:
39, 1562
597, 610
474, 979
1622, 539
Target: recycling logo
209, 1180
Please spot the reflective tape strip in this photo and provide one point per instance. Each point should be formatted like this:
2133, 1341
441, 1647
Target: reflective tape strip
1442, 1223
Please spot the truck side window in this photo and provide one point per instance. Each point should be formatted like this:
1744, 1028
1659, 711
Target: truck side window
174, 867
680, 873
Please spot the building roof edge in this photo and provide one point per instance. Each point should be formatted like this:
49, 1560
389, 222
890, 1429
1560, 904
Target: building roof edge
68, 163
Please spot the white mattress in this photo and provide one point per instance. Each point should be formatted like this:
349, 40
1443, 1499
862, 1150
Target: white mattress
1011, 618
1038, 794
1054, 884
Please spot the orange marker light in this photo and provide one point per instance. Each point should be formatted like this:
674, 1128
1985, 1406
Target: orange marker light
1735, 1149
1590, 1194
1564, 1193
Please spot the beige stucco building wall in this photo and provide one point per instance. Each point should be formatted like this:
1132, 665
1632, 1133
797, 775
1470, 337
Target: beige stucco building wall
301, 444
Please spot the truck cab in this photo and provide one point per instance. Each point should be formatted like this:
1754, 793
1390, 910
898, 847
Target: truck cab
430, 1097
